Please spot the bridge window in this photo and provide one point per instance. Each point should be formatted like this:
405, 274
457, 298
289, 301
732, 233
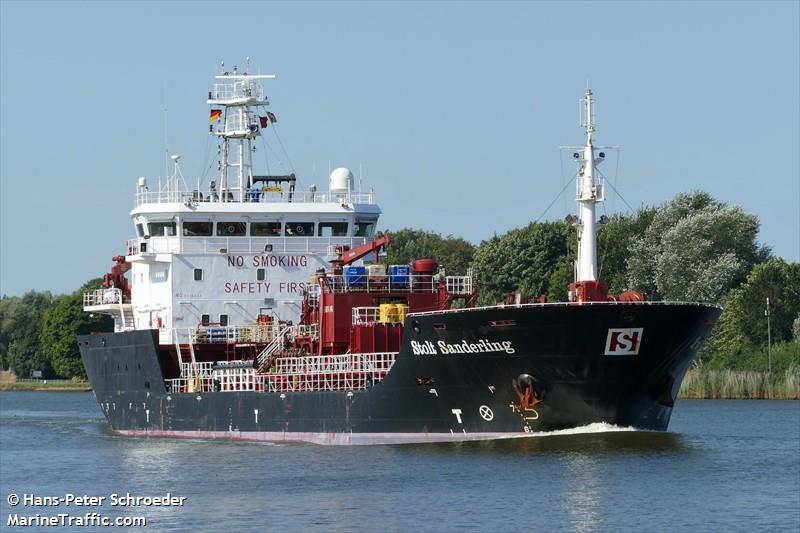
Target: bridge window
332, 229
231, 229
140, 230
198, 274
162, 229
299, 229
197, 229
265, 229
364, 228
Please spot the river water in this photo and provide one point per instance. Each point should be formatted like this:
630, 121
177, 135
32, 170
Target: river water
724, 466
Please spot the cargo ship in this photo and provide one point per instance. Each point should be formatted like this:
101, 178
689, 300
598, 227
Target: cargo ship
251, 308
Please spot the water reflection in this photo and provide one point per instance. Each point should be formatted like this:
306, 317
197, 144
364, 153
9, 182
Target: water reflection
584, 501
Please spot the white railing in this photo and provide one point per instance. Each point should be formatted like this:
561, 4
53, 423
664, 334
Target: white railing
328, 373
235, 379
102, 297
313, 296
242, 245
307, 330
230, 91
198, 197
365, 315
196, 369
190, 384
322, 364
251, 333
291, 374
238, 123
258, 333
459, 285
383, 283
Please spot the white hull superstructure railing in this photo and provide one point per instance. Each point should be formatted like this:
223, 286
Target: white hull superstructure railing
363, 316
111, 302
388, 283
294, 374
241, 245
172, 196
98, 297
460, 285
246, 334
202, 370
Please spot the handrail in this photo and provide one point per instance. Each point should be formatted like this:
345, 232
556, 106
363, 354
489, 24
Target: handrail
382, 283
272, 347
208, 196
108, 296
241, 245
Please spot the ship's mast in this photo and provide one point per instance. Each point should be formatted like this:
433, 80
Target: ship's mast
589, 191
238, 126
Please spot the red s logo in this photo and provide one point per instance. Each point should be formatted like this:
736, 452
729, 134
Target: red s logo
623, 341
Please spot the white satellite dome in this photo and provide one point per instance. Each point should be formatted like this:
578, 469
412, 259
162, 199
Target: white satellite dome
341, 181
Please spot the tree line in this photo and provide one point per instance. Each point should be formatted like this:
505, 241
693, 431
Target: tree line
38, 329
690, 248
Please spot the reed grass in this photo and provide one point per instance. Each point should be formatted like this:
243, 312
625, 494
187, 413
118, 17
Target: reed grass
741, 384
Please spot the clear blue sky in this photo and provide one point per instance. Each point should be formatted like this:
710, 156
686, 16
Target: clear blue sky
454, 110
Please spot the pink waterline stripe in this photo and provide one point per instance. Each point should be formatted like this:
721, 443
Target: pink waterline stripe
325, 439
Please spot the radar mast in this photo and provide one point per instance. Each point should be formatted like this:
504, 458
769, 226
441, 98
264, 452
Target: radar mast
234, 96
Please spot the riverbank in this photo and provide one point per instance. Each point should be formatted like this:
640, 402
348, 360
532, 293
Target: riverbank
702, 384
46, 385
10, 382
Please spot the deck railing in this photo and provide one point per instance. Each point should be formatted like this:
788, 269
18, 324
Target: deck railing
241, 245
290, 374
383, 283
208, 196
102, 297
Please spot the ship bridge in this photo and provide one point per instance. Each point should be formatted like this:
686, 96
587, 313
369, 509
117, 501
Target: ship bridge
236, 248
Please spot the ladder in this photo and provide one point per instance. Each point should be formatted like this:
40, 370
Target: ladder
127, 317
272, 347
182, 355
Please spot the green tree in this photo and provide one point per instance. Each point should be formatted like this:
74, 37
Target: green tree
19, 333
614, 243
62, 323
454, 253
563, 274
695, 248
742, 325
522, 260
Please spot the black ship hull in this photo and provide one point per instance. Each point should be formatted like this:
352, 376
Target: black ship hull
460, 375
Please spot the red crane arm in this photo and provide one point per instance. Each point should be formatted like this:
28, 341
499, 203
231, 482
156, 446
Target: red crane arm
349, 256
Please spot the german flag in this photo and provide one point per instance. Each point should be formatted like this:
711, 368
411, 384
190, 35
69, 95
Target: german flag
215, 115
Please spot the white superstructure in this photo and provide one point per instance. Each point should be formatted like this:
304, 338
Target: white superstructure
244, 245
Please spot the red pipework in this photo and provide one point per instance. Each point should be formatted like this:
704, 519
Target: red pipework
116, 278
597, 291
